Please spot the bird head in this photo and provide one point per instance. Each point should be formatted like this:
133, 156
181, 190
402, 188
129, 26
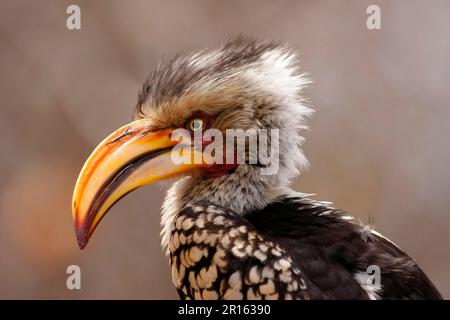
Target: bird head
243, 85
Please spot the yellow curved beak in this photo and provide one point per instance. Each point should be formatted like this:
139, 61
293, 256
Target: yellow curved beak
127, 159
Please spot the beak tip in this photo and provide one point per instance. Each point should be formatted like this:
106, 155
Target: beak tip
82, 237
82, 244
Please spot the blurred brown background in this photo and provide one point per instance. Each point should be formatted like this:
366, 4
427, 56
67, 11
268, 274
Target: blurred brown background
378, 144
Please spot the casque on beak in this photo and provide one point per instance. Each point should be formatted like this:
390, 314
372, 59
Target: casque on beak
127, 159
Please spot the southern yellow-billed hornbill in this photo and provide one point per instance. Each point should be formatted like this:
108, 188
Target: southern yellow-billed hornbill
231, 231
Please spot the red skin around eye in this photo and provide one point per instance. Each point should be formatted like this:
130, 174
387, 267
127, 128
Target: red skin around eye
215, 170
218, 169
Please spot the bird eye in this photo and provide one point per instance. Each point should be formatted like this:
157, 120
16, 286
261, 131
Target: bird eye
195, 124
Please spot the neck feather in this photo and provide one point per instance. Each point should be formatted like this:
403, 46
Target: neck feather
243, 191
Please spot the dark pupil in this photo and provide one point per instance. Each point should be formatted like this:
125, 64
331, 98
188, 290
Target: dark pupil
197, 125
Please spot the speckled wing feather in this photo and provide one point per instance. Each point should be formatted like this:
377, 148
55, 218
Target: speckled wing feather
216, 254
295, 248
